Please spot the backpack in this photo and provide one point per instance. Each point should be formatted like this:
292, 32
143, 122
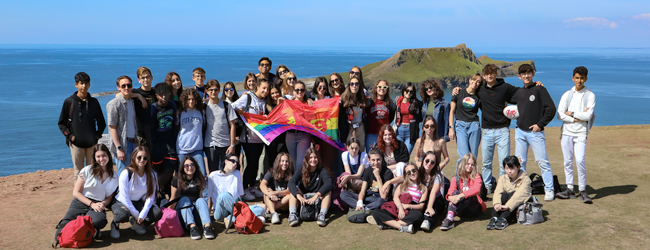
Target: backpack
358, 216
169, 224
530, 212
309, 212
77, 233
483, 192
239, 124
246, 222
537, 184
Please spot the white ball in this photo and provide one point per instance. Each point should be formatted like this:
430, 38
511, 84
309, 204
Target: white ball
511, 112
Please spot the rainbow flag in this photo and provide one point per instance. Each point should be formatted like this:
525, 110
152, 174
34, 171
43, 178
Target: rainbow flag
321, 120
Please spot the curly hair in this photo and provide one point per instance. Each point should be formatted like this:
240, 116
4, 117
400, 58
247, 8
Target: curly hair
197, 99
437, 94
277, 172
181, 178
380, 141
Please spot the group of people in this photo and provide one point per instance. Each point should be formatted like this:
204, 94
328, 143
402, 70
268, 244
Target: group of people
186, 148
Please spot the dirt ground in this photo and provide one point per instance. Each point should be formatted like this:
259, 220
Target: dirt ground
617, 163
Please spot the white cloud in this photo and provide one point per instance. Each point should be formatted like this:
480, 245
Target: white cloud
645, 17
592, 21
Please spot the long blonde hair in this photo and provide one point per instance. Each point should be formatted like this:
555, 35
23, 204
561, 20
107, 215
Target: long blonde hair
407, 181
460, 169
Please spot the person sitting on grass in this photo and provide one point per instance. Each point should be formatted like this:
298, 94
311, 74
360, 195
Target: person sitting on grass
274, 185
409, 198
464, 190
434, 180
310, 185
374, 178
188, 185
225, 187
354, 163
136, 195
513, 189
93, 191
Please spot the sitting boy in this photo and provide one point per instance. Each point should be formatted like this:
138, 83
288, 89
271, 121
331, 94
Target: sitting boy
513, 189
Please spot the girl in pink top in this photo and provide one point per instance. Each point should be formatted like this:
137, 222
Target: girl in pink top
463, 195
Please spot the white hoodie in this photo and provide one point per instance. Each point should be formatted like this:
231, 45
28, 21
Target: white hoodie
581, 112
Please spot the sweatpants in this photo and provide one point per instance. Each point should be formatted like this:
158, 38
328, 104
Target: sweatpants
573, 146
372, 200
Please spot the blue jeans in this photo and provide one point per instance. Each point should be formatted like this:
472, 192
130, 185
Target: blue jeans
121, 165
468, 137
198, 156
297, 144
404, 135
371, 140
491, 137
199, 207
223, 205
537, 141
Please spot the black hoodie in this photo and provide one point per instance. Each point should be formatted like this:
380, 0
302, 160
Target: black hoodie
493, 101
85, 121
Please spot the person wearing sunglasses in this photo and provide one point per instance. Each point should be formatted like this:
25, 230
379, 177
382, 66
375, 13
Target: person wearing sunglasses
288, 84
408, 117
409, 199
336, 86
381, 110
281, 74
429, 141
320, 89
463, 117
122, 124
279, 144
434, 179
264, 65
434, 105
299, 141
355, 72
136, 196
352, 113
188, 187
229, 93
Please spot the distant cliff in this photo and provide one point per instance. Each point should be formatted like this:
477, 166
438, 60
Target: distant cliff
453, 66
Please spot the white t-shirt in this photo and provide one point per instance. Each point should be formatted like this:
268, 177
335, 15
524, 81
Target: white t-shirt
257, 107
94, 188
231, 183
217, 132
353, 160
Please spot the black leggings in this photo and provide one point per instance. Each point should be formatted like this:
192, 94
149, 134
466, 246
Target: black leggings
504, 199
466, 207
253, 152
79, 209
412, 217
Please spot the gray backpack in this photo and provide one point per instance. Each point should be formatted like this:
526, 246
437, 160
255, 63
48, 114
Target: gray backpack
530, 212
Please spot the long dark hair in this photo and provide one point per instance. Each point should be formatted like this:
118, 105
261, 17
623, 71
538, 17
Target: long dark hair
350, 99
98, 171
381, 145
360, 77
424, 137
342, 86
436, 85
277, 172
168, 80
305, 166
270, 103
314, 89
413, 94
304, 97
234, 96
197, 100
181, 178
133, 166
436, 169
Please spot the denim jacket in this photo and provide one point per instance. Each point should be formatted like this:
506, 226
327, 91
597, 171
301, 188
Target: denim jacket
441, 115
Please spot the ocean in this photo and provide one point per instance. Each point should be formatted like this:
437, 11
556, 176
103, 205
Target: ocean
35, 80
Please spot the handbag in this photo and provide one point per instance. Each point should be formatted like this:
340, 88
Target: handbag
530, 212
309, 212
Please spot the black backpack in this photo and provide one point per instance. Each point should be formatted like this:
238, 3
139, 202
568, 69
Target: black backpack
239, 123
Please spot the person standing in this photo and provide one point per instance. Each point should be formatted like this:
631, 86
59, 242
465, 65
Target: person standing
122, 124
82, 122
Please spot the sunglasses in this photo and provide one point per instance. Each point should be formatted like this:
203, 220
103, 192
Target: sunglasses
299, 90
354, 84
229, 89
265, 65
382, 87
126, 86
213, 90
427, 161
334, 80
321, 87
427, 126
282, 72
142, 158
292, 78
189, 165
412, 171
232, 161
429, 88
408, 91
355, 72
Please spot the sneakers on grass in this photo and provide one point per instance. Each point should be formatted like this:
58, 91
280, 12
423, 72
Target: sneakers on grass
566, 194
501, 224
371, 220
446, 225
207, 233
138, 228
426, 225
275, 218
585, 198
407, 229
549, 196
491, 224
293, 219
321, 220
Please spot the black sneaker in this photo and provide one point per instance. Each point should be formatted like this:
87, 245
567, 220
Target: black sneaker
566, 194
194, 233
293, 219
501, 224
491, 225
207, 232
321, 220
585, 198
446, 225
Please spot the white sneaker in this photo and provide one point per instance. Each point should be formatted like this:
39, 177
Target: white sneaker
139, 229
115, 230
426, 225
549, 196
262, 219
275, 218
256, 192
248, 196
226, 221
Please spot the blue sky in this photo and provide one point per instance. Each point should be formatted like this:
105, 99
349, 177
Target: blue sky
412, 24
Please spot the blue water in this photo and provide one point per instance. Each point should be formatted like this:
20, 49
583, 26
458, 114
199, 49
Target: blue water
34, 81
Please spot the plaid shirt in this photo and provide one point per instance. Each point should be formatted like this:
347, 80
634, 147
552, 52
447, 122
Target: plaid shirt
117, 116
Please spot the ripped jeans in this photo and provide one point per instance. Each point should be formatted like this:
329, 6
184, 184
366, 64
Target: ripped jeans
536, 141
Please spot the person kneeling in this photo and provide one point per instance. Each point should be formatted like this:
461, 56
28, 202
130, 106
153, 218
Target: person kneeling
409, 199
188, 185
274, 185
513, 189
463, 195
315, 185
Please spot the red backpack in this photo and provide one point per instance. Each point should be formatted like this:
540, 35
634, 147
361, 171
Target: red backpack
77, 233
246, 222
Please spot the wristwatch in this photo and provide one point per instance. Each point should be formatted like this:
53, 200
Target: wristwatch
232, 146
119, 147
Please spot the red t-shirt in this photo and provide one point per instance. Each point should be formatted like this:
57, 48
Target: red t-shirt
404, 112
378, 117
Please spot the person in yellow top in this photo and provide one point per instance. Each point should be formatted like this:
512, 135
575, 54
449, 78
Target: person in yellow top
513, 189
